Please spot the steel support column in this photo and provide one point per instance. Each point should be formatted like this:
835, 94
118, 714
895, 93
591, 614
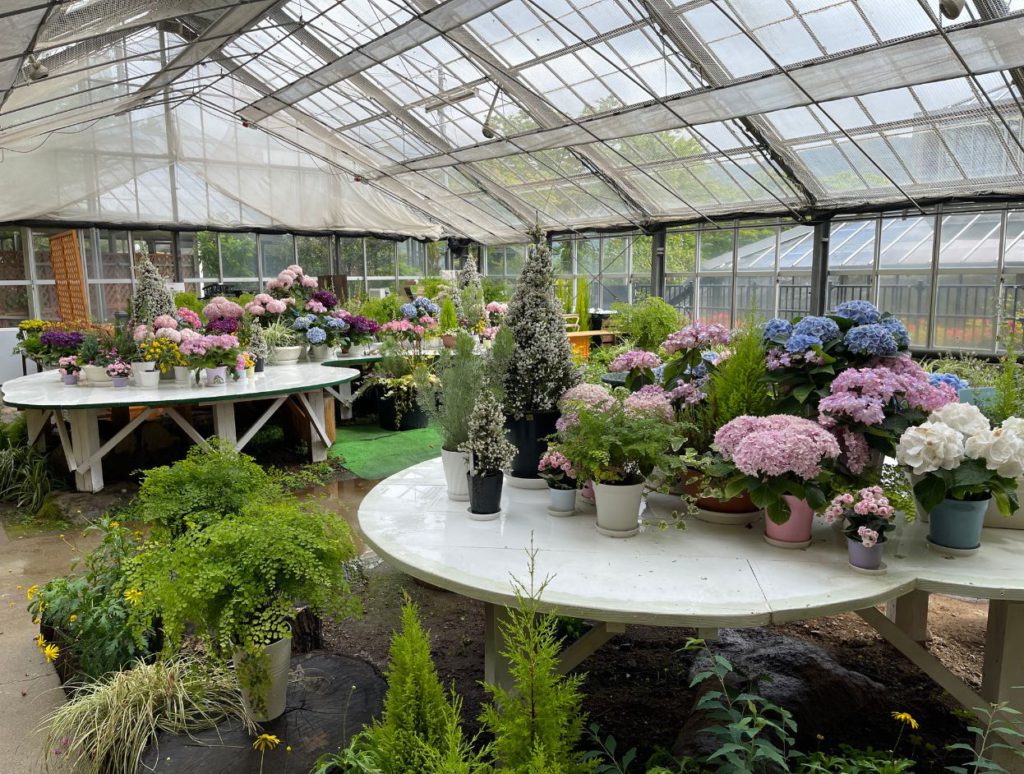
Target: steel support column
819, 267
659, 238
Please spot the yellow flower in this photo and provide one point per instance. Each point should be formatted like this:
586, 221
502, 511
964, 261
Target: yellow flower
36, 621
115, 524
820, 738
288, 748
40, 642
134, 596
906, 718
265, 742
31, 591
73, 617
51, 652
19, 587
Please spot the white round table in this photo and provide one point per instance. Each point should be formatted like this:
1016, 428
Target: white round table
705, 576
44, 397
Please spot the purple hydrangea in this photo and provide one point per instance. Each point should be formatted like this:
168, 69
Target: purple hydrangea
224, 325
872, 339
860, 312
363, 325
326, 297
821, 328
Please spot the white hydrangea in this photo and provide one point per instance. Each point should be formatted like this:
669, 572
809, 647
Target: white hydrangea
1014, 425
1002, 450
963, 417
931, 446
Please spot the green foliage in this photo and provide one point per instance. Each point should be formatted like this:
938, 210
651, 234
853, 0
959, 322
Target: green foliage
852, 761
304, 476
970, 480
188, 301
26, 477
974, 370
108, 724
449, 397
449, 321
382, 309
1009, 383
236, 582
582, 305
250, 336
494, 289
999, 732
563, 291
278, 334
897, 489
208, 485
538, 725
420, 729
89, 609
432, 287
152, 296
600, 359
648, 323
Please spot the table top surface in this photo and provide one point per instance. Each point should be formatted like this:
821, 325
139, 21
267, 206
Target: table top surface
46, 390
705, 575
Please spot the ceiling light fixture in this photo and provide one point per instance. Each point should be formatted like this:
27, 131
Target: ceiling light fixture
35, 70
951, 9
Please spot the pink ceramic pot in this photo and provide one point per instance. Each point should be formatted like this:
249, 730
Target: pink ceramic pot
797, 529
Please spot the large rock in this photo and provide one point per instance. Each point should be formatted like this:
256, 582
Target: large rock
330, 698
824, 696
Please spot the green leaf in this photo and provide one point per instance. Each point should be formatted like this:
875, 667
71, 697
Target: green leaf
930, 492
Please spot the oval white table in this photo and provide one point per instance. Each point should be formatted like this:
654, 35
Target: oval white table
43, 397
706, 576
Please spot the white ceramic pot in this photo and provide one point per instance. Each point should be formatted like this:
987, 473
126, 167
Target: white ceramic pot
147, 379
285, 355
275, 692
319, 352
618, 508
356, 350
138, 366
182, 374
561, 502
456, 466
95, 375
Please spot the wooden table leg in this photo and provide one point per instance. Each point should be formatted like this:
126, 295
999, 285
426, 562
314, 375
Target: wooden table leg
85, 442
35, 424
1003, 671
345, 400
496, 666
224, 421
317, 445
910, 614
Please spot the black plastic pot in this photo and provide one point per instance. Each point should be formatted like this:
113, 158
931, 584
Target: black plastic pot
527, 434
260, 365
387, 416
485, 492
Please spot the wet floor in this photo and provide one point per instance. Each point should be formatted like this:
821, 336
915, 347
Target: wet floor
343, 498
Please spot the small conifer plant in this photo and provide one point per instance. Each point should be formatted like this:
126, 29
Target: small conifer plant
152, 296
489, 451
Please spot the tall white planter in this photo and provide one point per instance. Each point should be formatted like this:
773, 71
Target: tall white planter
456, 466
618, 508
275, 692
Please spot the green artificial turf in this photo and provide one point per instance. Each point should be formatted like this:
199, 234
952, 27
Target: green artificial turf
373, 453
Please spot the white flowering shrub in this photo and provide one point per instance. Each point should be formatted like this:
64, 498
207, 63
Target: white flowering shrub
469, 295
152, 295
540, 368
488, 449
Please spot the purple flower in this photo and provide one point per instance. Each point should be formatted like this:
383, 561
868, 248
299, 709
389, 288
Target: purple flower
326, 297
222, 326
634, 359
61, 339
363, 325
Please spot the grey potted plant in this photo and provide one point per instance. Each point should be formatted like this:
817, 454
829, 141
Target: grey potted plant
489, 454
447, 393
540, 366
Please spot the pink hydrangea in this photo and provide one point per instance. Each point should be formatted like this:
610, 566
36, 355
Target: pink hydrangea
221, 308
855, 449
284, 281
688, 393
273, 284
419, 330
650, 400
188, 317
427, 321
256, 309
141, 333
308, 282
164, 321
697, 335
315, 306
553, 461
188, 333
172, 334
776, 445
274, 306
490, 332
594, 397
496, 307
397, 326
633, 360
263, 298
295, 269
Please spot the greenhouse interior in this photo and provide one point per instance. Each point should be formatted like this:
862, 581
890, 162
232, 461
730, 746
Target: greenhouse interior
541, 386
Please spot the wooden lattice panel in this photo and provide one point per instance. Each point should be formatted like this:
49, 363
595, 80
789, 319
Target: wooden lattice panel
72, 293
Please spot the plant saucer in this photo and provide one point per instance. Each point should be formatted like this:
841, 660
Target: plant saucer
721, 517
518, 482
617, 533
950, 552
484, 516
553, 512
785, 543
883, 568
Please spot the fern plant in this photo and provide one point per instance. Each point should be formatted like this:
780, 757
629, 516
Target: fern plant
538, 725
648, 323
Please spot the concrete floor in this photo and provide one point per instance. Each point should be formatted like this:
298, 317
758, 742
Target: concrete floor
28, 685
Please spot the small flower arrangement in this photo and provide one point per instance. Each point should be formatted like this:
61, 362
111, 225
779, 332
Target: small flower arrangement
244, 362
361, 330
961, 457
778, 455
68, 365
866, 515
421, 311
58, 343
495, 312
557, 470
164, 352
210, 351
118, 369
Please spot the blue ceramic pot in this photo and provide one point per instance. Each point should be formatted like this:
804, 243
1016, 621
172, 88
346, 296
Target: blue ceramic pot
957, 523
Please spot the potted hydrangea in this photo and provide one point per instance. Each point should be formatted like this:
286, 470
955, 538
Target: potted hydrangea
119, 372
865, 516
489, 454
557, 470
782, 461
361, 331
960, 463
214, 353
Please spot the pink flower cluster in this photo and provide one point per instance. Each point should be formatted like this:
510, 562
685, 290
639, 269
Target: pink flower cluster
688, 393
263, 304
188, 318
402, 326
778, 358
697, 335
855, 449
141, 333
220, 307
590, 396
651, 401
867, 502
863, 394
315, 306
776, 445
554, 461
199, 346
496, 307
164, 321
867, 536
491, 332
288, 278
633, 360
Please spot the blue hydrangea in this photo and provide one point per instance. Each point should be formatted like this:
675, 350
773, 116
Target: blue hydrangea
316, 336
801, 342
408, 311
337, 323
873, 339
302, 322
776, 328
433, 309
860, 312
952, 380
818, 327
898, 330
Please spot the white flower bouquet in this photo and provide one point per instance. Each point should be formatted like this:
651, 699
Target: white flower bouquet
960, 456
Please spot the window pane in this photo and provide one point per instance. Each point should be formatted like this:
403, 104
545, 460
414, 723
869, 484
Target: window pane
374, 284
848, 287
278, 253
1014, 251
965, 311
238, 255
106, 300
12, 255
41, 249
587, 256
109, 258
514, 256
13, 304
641, 255
907, 242
756, 251
715, 300
794, 295
614, 260
796, 249
314, 254
380, 258
852, 243
561, 257
613, 290
679, 292
47, 301
970, 240
680, 253
755, 298
435, 252
716, 250
159, 246
411, 258
350, 256
906, 297
204, 261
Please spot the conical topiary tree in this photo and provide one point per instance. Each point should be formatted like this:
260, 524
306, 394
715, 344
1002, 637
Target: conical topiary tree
152, 296
541, 366
469, 294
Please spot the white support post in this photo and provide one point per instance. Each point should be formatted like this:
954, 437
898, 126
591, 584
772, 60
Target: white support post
1003, 675
224, 422
186, 427
85, 443
910, 614
587, 645
312, 404
35, 423
258, 424
344, 396
496, 666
